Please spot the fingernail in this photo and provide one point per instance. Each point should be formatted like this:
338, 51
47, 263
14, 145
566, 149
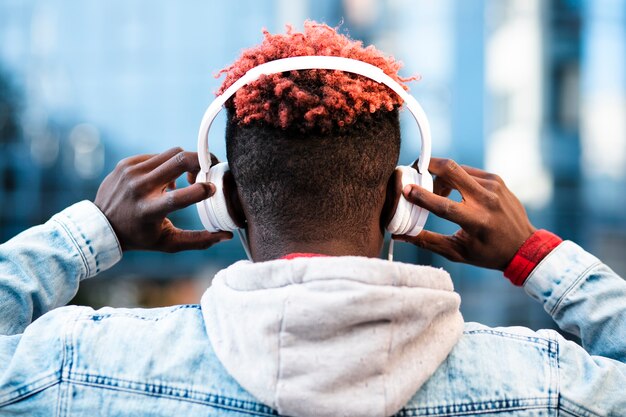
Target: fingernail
226, 237
211, 188
407, 190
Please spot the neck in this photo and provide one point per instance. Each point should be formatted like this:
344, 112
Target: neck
269, 249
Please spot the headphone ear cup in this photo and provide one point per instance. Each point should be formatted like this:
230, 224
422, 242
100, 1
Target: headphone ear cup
408, 218
213, 211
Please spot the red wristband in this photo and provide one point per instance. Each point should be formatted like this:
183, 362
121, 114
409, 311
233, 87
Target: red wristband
534, 249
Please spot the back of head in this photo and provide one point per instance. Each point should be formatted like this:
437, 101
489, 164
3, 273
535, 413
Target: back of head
312, 151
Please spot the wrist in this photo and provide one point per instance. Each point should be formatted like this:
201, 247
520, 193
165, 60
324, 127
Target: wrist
530, 254
116, 232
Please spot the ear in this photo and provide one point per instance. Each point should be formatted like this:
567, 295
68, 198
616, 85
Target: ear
392, 197
233, 203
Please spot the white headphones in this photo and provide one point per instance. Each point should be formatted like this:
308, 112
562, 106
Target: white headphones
408, 218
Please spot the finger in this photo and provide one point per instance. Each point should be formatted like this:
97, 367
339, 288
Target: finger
440, 185
159, 159
487, 180
191, 176
440, 206
174, 168
171, 185
443, 245
479, 173
455, 176
133, 160
178, 199
176, 240
442, 189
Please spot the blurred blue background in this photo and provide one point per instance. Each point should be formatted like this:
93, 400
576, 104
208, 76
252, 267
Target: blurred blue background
534, 90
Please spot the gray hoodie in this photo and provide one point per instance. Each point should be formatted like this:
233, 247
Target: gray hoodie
332, 336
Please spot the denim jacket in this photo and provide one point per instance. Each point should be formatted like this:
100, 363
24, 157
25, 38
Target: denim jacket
74, 361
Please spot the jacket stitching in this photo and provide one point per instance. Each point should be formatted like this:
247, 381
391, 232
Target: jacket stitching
562, 403
170, 311
482, 407
536, 340
87, 243
34, 387
65, 347
574, 286
568, 407
68, 362
553, 387
76, 245
156, 390
556, 370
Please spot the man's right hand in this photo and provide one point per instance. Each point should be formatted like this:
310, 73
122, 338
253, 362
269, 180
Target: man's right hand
494, 224
140, 193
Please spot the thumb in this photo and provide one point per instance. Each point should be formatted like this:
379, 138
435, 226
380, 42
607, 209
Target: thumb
443, 245
439, 206
177, 240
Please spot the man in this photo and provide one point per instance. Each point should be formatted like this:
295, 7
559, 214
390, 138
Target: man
316, 325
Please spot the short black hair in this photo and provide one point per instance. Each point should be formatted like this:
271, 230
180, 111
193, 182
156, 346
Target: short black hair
312, 186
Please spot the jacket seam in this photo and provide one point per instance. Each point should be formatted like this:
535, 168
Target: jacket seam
63, 360
558, 373
553, 354
63, 226
545, 343
169, 312
46, 381
87, 243
565, 404
481, 407
103, 382
568, 407
573, 287
66, 365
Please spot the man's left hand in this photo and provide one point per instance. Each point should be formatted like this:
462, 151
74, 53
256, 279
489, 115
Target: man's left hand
139, 194
494, 224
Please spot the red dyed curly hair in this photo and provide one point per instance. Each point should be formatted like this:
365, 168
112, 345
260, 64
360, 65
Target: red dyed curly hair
310, 99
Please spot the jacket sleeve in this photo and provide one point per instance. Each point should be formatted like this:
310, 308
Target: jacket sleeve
40, 268
585, 298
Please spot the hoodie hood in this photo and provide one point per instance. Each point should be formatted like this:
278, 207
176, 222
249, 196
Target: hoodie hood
333, 336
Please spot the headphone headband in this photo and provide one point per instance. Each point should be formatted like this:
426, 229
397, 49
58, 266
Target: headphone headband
315, 62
